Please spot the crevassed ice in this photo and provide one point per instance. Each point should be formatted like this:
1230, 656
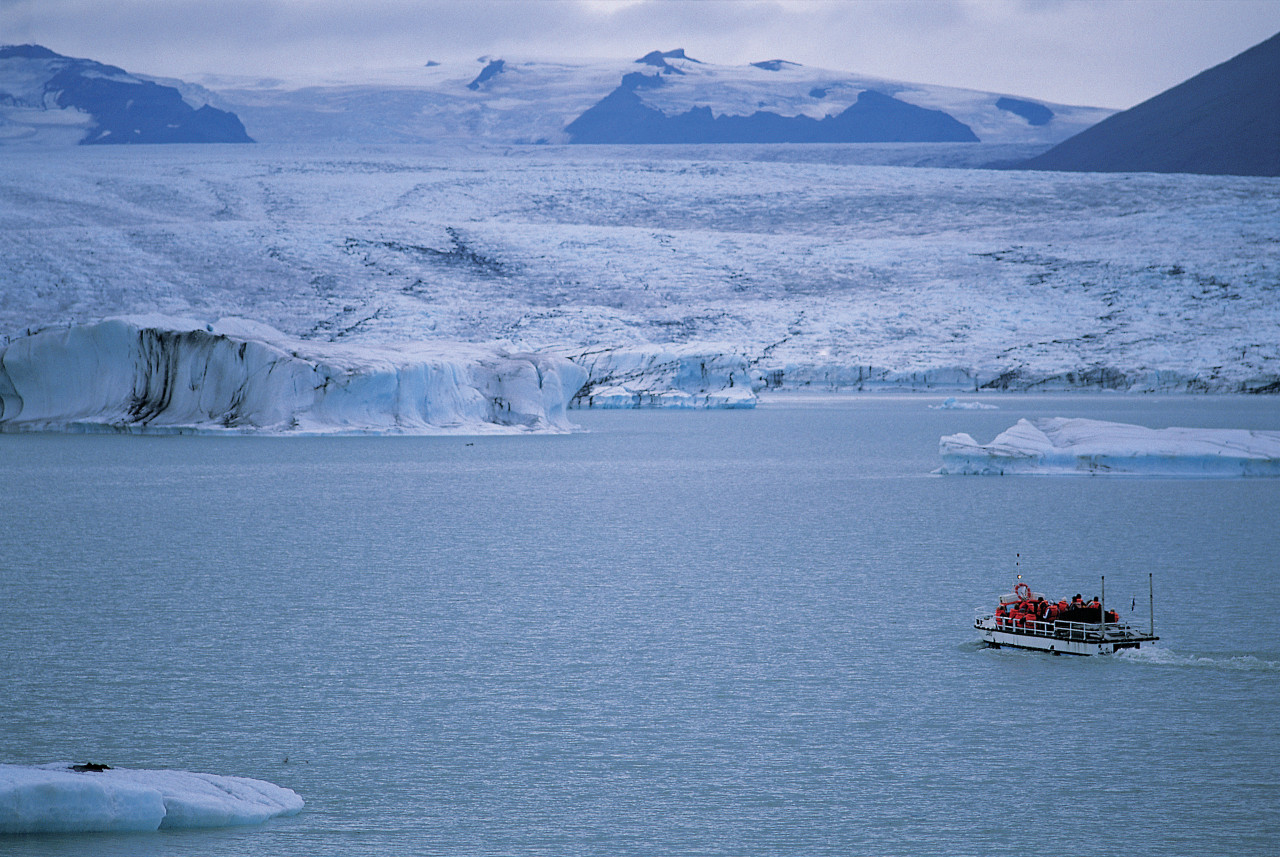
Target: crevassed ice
665, 376
55, 799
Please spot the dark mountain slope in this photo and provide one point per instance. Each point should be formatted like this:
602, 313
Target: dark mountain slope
124, 108
1223, 121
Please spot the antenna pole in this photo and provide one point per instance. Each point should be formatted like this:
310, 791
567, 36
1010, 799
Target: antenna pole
1151, 594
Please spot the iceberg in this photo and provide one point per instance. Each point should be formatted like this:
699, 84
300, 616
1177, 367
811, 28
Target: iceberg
61, 798
155, 374
1059, 445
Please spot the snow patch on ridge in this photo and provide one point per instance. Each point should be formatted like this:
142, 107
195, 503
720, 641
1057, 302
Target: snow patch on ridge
56, 799
155, 374
1060, 445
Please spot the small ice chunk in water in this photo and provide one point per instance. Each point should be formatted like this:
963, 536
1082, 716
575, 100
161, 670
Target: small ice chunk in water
951, 403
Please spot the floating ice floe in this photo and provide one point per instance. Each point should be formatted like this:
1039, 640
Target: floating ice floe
951, 403
56, 798
1078, 446
156, 374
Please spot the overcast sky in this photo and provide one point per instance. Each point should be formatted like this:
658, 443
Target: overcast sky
1109, 53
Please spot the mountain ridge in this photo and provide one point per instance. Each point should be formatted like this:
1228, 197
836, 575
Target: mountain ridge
107, 104
1223, 121
537, 100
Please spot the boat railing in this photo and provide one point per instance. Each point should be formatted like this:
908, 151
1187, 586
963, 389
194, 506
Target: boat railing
1083, 631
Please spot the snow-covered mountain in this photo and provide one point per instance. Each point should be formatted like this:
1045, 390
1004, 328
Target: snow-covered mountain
50, 99
664, 97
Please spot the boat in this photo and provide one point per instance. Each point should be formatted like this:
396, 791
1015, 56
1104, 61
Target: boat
1027, 620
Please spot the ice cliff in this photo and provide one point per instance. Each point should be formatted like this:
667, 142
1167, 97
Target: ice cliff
670, 376
60, 798
1078, 446
157, 375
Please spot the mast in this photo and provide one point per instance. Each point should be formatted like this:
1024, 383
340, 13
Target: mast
1151, 594
1102, 609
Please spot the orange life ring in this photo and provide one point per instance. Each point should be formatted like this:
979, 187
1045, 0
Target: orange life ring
1017, 590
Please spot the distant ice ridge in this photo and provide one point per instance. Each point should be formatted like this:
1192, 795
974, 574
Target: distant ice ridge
724, 375
1059, 445
57, 799
154, 374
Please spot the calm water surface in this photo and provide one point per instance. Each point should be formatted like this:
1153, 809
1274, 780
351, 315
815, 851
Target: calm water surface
741, 633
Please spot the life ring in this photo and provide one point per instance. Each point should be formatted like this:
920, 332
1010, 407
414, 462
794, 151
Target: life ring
1017, 590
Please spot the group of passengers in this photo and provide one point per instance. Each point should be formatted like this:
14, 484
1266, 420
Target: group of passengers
1026, 611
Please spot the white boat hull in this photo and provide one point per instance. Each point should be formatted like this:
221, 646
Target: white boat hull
1074, 640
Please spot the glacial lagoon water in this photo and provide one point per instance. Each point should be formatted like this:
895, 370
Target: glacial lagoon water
737, 633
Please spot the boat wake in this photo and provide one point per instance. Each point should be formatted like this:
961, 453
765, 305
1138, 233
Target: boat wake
1166, 657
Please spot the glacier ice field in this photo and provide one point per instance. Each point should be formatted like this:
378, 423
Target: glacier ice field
783, 266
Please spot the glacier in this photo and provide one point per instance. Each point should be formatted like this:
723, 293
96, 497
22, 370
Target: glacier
796, 266
62, 798
156, 374
1063, 446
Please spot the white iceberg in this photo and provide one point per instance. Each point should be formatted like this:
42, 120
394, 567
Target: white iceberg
156, 374
58, 799
1060, 445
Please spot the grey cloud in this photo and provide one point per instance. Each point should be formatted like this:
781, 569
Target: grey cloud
1110, 52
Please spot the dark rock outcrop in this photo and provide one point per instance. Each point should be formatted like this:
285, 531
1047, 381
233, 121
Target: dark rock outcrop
488, 73
622, 116
1033, 112
659, 60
